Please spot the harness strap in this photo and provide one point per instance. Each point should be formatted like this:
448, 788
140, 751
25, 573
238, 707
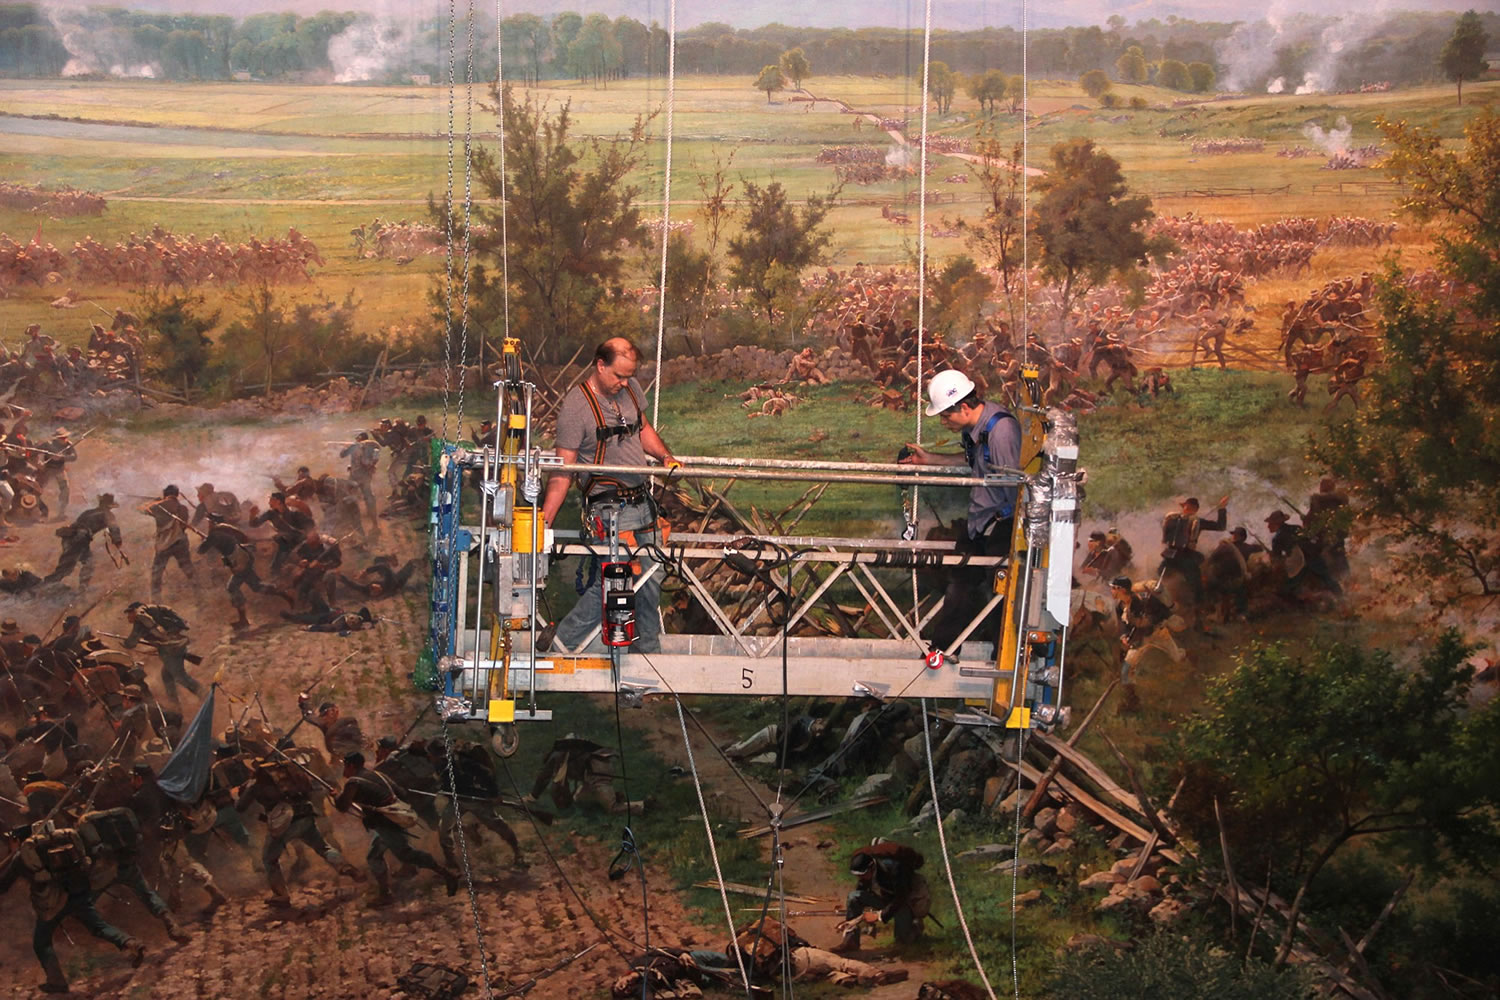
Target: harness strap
984, 437
603, 431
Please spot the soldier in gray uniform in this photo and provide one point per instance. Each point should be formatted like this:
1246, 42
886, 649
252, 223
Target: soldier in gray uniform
78, 539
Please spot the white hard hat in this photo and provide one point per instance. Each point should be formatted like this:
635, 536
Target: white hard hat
947, 388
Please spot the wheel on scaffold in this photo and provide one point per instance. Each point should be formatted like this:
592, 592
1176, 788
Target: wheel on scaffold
505, 739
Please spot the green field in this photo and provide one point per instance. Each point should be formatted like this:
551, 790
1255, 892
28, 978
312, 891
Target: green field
255, 159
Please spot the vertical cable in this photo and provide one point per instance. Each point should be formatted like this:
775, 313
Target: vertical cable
666, 205
937, 814
1025, 189
922, 243
504, 178
713, 849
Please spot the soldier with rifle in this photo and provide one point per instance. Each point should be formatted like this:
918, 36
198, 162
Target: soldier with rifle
363, 455
166, 631
54, 467
171, 517
78, 538
387, 819
474, 781
283, 790
54, 861
238, 554
291, 519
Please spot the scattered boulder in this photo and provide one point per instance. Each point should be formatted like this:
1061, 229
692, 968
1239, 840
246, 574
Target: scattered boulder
1101, 880
876, 784
1045, 820
1169, 912
1024, 868
1067, 820
1062, 845
987, 851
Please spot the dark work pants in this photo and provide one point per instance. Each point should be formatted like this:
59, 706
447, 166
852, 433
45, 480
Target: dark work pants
968, 588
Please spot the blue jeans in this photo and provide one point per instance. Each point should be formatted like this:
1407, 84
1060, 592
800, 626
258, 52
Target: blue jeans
586, 614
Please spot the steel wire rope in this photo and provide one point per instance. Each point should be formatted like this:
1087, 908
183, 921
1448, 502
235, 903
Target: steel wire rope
451, 541
666, 205
1015, 877
1015, 867
713, 849
1025, 195
609, 936
937, 814
848, 745
629, 849
922, 243
697, 723
771, 814
504, 179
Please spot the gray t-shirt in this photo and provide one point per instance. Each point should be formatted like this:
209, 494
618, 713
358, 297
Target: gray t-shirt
577, 429
989, 502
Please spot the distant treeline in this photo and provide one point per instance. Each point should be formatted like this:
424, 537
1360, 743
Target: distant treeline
112, 41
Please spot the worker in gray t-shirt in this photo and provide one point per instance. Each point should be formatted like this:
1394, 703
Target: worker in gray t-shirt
602, 422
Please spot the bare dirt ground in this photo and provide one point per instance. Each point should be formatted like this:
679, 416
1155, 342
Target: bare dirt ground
331, 945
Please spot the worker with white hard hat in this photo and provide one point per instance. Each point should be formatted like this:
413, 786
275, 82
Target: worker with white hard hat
992, 444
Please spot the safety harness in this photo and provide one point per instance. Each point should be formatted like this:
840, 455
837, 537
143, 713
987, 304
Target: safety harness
605, 432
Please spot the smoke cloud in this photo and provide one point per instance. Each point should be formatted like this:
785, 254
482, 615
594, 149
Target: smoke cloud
370, 49
901, 158
1258, 55
92, 52
1330, 141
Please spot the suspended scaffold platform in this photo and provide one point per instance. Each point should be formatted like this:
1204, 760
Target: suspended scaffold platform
488, 577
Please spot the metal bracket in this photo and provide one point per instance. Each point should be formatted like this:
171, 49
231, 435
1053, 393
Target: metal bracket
871, 690
453, 709
977, 717
632, 695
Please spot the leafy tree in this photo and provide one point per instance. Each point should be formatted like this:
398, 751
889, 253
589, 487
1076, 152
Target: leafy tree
795, 67
1087, 224
1306, 754
565, 27
988, 88
1463, 55
1168, 966
997, 236
1095, 83
1132, 66
272, 341
693, 273
941, 83
776, 242
595, 53
570, 210
634, 41
1015, 89
770, 79
176, 327
1202, 77
1173, 74
528, 36
959, 292
1423, 452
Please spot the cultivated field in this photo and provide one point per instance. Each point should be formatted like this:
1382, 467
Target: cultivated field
246, 160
